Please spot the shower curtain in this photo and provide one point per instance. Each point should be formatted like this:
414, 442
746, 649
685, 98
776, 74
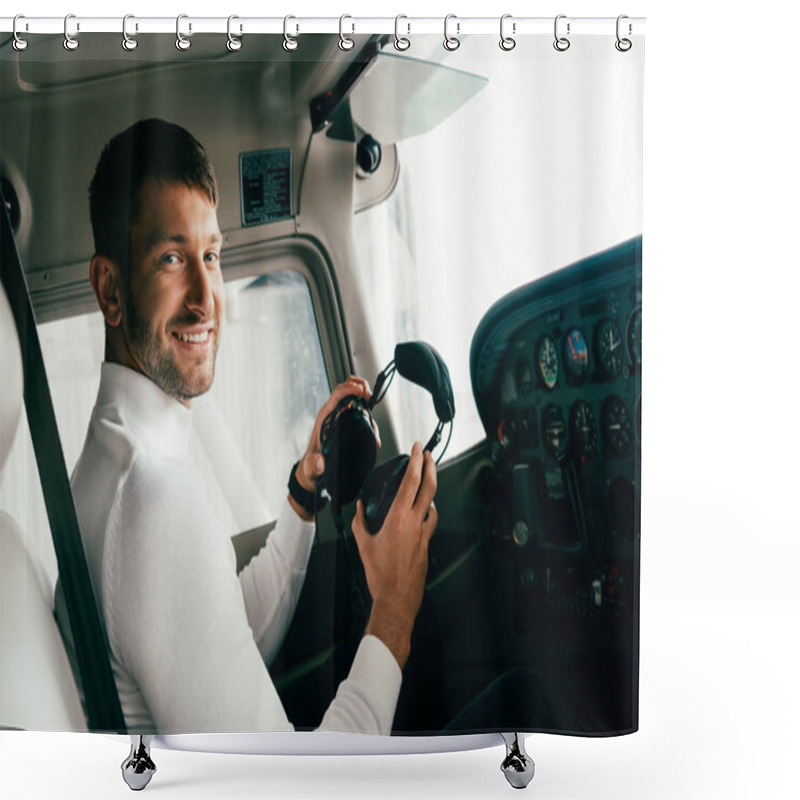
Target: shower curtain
483, 199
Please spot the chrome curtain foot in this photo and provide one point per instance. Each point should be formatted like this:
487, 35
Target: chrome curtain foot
517, 766
138, 768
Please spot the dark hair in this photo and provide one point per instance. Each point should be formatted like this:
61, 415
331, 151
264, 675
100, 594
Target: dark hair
151, 149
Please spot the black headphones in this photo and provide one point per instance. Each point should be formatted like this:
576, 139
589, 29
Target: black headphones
351, 449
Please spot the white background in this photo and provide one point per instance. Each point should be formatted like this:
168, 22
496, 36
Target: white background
720, 601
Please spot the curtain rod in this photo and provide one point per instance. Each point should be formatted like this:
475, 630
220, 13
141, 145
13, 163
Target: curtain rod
298, 25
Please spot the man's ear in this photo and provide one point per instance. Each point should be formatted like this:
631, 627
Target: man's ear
106, 279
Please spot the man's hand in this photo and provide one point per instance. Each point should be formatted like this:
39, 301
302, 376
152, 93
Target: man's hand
312, 465
396, 558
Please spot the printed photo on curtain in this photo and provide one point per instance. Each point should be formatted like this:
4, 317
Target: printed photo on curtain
344, 347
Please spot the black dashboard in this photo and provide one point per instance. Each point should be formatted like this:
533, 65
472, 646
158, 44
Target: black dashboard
531, 606
556, 371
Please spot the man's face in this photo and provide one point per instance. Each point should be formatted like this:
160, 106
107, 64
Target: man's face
174, 303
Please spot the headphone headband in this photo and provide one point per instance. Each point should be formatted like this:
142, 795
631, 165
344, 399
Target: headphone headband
419, 363
348, 441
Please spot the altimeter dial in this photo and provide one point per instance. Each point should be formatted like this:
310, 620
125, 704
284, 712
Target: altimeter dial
582, 429
608, 347
547, 362
616, 426
635, 337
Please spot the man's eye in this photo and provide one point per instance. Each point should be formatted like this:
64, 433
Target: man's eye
212, 258
169, 259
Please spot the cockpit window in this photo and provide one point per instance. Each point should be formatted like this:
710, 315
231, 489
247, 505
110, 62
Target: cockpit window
479, 211
271, 378
252, 426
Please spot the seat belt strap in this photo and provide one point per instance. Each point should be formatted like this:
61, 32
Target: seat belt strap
102, 705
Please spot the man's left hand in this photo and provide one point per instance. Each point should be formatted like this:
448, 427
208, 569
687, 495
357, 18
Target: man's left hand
311, 466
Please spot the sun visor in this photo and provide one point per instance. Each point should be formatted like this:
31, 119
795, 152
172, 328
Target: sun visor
399, 97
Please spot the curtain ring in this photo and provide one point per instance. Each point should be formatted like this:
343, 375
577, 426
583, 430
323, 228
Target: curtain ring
507, 42
19, 43
345, 42
451, 42
623, 45
561, 43
70, 42
289, 43
401, 42
234, 43
128, 42
182, 43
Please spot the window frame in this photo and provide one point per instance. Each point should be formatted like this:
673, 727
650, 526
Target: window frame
306, 258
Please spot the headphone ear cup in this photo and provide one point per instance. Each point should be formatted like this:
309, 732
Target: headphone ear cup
350, 452
380, 490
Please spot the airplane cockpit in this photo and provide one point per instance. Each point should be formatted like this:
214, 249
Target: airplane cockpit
364, 203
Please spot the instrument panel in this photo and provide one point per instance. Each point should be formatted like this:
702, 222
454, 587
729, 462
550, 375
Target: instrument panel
556, 370
570, 383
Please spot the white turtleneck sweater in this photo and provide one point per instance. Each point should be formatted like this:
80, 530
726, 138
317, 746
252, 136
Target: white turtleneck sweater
189, 639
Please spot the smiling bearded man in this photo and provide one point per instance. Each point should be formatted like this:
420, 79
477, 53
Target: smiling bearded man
190, 640
174, 300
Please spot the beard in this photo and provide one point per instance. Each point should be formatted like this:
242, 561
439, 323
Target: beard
158, 362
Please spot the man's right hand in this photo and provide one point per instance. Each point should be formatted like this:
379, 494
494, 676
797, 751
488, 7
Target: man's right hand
396, 558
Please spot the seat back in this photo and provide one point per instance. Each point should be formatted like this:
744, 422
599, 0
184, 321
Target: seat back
37, 688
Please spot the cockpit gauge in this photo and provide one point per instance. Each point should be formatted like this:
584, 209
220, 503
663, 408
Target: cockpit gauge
608, 347
582, 429
576, 356
547, 362
635, 337
554, 431
616, 426
524, 376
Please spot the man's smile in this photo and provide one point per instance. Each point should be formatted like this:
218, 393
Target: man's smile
193, 338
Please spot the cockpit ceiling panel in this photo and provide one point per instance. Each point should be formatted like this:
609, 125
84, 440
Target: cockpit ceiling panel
46, 65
